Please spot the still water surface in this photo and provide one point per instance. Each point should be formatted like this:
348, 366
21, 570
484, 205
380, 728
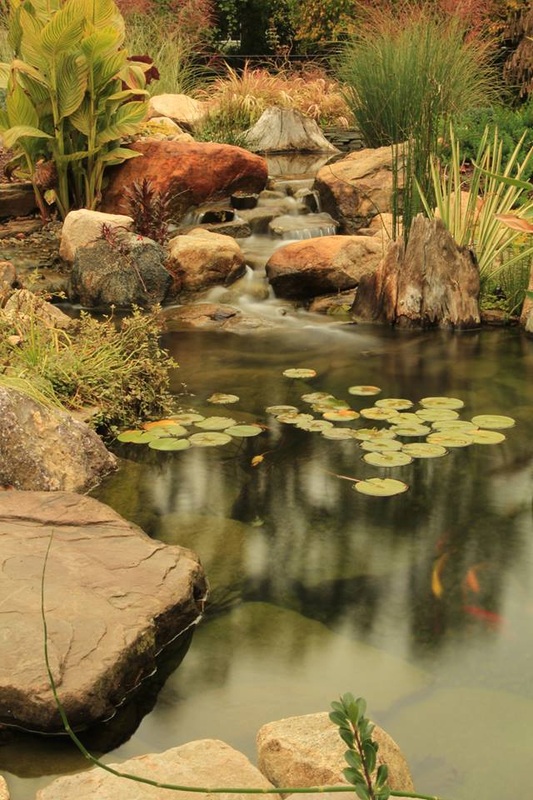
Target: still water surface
422, 603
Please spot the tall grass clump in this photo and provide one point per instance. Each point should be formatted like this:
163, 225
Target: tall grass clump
407, 72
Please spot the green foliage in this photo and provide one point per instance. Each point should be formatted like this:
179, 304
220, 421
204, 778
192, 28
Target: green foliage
512, 125
355, 731
72, 94
406, 74
122, 371
470, 207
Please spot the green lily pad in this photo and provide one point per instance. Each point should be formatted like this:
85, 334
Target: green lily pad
209, 439
330, 404
169, 430
436, 414
134, 437
294, 419
373, 412
215, 423
341, 415
397, 403
424, 450
441, 402
277, 410
381, 445
391, 459
169, 443
314, 425
222, 399
455, 425
485, 436
364, 391
244, 431
316, 397
364, 434
450, 439
493, 421
411, 430
299, 373
187, 418
406, 417
338, 433
381, 487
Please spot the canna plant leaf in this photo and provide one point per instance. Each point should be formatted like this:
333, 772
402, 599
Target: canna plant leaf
72, 77
20, 109
11, 136
126, 121
117, 156
64, 29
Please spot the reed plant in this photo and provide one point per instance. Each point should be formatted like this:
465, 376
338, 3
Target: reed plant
470, 202
407, 72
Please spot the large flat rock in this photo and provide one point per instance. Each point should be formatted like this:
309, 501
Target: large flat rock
208, 762
113, 598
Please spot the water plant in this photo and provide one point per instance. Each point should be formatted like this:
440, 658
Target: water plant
72, 95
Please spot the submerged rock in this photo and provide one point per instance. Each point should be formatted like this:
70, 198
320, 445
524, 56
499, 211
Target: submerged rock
113, 599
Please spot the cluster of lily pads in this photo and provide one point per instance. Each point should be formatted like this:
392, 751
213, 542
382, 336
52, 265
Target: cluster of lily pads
435, 426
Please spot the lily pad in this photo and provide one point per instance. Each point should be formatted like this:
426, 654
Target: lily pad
341, 415
381, 487
169, 443
187, 418
244, 431
209, 439
314, 425
436, 414
453, 425
373, 412
381, 445
391, 459
159, 423
216, 423
397, 403
331, 404
134, 437
173, 429
338, 433
294, 418
450, 439
493, 421
299, 373
411, 429
406, 417
364, 434
223, 399
485, 436
424, 450
441, 402
316, 397
277, 410
364, 391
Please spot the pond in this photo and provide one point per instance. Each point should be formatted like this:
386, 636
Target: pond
421, 602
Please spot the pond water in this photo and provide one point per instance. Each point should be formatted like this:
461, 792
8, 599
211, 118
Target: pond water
422, 602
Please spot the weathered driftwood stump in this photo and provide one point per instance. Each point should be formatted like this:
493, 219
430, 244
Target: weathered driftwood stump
432, 282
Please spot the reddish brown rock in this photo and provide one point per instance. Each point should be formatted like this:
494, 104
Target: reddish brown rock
327, 264
193, 173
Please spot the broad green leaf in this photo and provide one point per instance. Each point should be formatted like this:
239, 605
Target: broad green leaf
63, 30
277, 410
317, 397
441, 402
398, 403
364, 434
364, 391
341, 415
493, 421
436, 414
187, 418
102, 43
12, 135
299, 374
126, 122
108, 68
70, 158
81, 119
5, 72
486, 436
215, 423
373, 412
424, 450
20, 66
338, 433
411, 430
209, 439
450, 439
30, 44
392, 459
118, 155
169, 443
294, 418
71, 76
380, 487
219, 398
314, 425
244, 431
132, 75
20, 109
381, 444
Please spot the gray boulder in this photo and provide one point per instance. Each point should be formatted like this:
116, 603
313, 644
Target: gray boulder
123, 270
44, 448
113, 598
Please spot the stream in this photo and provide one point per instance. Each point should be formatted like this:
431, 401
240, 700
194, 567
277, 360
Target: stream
422, 602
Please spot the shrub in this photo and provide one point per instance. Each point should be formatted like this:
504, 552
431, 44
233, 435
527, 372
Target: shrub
72, 95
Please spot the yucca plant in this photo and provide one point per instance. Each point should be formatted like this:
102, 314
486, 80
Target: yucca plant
475, 210
72, 95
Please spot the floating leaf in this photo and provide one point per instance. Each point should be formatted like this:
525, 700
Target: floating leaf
133, 437
453, 425
314, 425
160, 423
441, 402
391, 459
187, 418
171, 428
222, 399
338, 433
256, 460
209, 439
406, 417
244, 431
397, 403
381, 487
449, 439
331, 404
436, 414
364, 391
299, 373
364, 434
294, 418
373, 412
485, 436
410, 429
169, 443
341, 415
316, 397
215, 423
380, 444
424, 450
277, 410
493, 421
